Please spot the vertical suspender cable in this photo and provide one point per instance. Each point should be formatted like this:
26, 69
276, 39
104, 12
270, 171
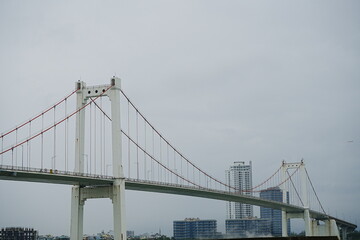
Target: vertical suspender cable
294, 183
181, 171
54, 164
129, 161
176, 177
29, 144
206, 184
299, 181
153, 154
199, 179
104, 149
12, 157
22, 156
101, 137
160, 169
90, 150
94, 141
137, 143
27, 154
168, 173
16, 139
193, 174
42, 141
187, 171
66, 138
102, 146
145, 150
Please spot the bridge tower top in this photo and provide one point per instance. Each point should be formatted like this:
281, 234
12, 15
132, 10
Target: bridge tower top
301, 167
84, 93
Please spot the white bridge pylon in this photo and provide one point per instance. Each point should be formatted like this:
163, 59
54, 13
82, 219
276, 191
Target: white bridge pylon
312, 226
116, 192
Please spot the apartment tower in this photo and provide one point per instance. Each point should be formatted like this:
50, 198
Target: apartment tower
239, 178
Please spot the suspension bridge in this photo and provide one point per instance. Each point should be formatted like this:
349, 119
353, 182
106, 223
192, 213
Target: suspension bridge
117, 148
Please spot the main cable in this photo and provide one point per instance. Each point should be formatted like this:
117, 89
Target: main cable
52, 126
312, 186
37, 116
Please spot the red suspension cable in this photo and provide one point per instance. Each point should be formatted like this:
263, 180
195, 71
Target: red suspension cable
182, 156
54, 125
37, 116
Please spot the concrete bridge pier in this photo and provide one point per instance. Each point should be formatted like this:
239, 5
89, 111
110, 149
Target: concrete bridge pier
115, 193
307, 220
284, 223
329, 228
305, 215
313, 226
118, 200
77, 214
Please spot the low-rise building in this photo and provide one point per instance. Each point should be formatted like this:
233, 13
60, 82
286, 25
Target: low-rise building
18, 233
194, 228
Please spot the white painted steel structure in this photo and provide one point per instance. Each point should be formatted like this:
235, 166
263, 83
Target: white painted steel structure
116, 192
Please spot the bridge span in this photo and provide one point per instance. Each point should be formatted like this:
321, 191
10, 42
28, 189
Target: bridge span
38, 150
88, 180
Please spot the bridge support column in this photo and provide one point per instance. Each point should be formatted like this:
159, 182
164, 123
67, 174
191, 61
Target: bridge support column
118, 200
284, 225
320, 230
308, 223
334, 230
329, 228
77, 214
80, 127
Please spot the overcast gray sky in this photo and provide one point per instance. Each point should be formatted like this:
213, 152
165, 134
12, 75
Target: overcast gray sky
223, 80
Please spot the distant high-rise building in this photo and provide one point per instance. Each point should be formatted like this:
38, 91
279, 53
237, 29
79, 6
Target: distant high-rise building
239, 176
274, 215
247, 226
194, 228
17, 233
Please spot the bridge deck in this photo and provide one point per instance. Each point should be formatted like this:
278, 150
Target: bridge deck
70, 178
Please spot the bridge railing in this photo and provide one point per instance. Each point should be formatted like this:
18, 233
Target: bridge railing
134, 180
53, 171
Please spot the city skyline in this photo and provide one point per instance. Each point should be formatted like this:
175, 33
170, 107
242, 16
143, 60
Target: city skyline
224, 82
